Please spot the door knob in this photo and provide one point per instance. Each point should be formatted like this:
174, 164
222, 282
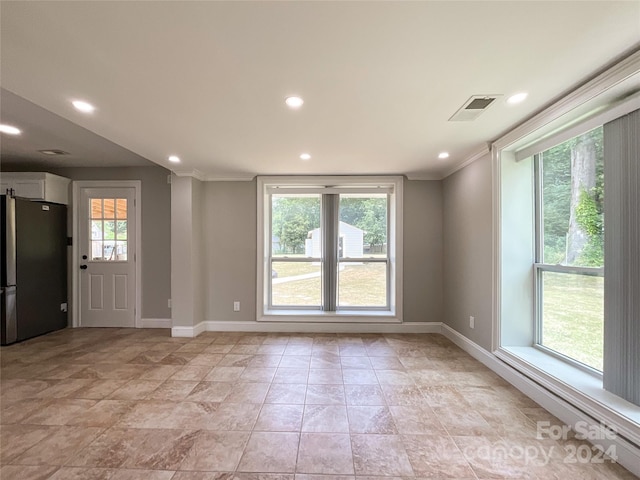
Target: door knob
83, 267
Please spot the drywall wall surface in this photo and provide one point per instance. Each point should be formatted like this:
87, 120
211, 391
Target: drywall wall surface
423, 251
182, 285
230, 244
467, 212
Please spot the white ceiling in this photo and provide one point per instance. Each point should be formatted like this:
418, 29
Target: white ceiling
44, 130
207, 80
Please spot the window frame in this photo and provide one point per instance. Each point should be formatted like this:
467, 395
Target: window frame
102, 219
393, 186
539, 267
270, 261
385, 260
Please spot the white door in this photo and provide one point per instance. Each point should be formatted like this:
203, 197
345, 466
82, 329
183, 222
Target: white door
107, 245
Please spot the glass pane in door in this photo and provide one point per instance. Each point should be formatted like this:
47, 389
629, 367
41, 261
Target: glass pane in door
109, 227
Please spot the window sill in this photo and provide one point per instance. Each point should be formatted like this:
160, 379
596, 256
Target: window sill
580, 388
345, 316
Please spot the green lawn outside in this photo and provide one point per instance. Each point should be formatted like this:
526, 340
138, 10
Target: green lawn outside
303, 292
359, 285
292, 269
363, 285
573, 320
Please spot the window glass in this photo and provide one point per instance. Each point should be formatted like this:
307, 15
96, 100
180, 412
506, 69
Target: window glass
121, 230
295, 226
573, 316
296, 284
571, 236
362, 284
109, 208
362, 235
296, 249
363, 226
108, 226
573, 202
96, 207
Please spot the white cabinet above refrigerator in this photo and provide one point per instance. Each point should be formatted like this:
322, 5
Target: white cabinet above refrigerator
36, 186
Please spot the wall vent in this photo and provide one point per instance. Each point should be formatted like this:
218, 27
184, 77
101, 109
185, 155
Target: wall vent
473, 107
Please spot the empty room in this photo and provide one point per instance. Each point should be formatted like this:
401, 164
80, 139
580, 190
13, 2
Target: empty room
320, 240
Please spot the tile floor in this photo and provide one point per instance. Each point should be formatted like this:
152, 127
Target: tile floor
122, 404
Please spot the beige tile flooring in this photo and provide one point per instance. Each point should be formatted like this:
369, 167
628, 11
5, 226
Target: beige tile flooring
128, 404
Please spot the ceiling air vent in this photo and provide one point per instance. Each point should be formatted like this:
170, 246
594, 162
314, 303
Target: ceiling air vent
473, 107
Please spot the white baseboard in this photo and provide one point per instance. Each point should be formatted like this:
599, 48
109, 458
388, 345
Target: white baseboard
182, 332
155, 323
188, 332
306, 327
627, 453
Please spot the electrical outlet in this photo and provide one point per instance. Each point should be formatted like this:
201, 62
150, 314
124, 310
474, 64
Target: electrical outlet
169, 303
472, 322
63, 307
236, 306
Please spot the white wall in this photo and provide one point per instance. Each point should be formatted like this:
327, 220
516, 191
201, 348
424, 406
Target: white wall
467, 211
423, 251
198, 253
229, 241
187, 255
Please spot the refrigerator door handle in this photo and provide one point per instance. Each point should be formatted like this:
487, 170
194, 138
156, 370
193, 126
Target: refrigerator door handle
10, 241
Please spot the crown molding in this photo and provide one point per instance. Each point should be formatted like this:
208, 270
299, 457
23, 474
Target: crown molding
423, 176
221, 178
191, 173
467, 161
619, 72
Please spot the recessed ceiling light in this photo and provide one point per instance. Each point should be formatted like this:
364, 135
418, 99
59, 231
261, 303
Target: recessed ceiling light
294, 102
53, 151
305, 156
517, 98
174, 159
443, 155
9, 129
83, 106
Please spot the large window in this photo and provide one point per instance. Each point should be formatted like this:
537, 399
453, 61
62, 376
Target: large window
570, 249
565, 313
329, 246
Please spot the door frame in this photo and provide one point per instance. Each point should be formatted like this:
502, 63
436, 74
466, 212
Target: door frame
75, 263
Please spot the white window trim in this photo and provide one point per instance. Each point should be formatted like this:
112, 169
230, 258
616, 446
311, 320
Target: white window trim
625, 74
540, 267
311, 183
563, 379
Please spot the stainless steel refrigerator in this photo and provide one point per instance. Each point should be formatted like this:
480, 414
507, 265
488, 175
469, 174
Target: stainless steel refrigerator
33, 246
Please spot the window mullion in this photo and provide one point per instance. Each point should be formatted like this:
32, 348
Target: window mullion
539, 212
591, 271
330, 226
539, 249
